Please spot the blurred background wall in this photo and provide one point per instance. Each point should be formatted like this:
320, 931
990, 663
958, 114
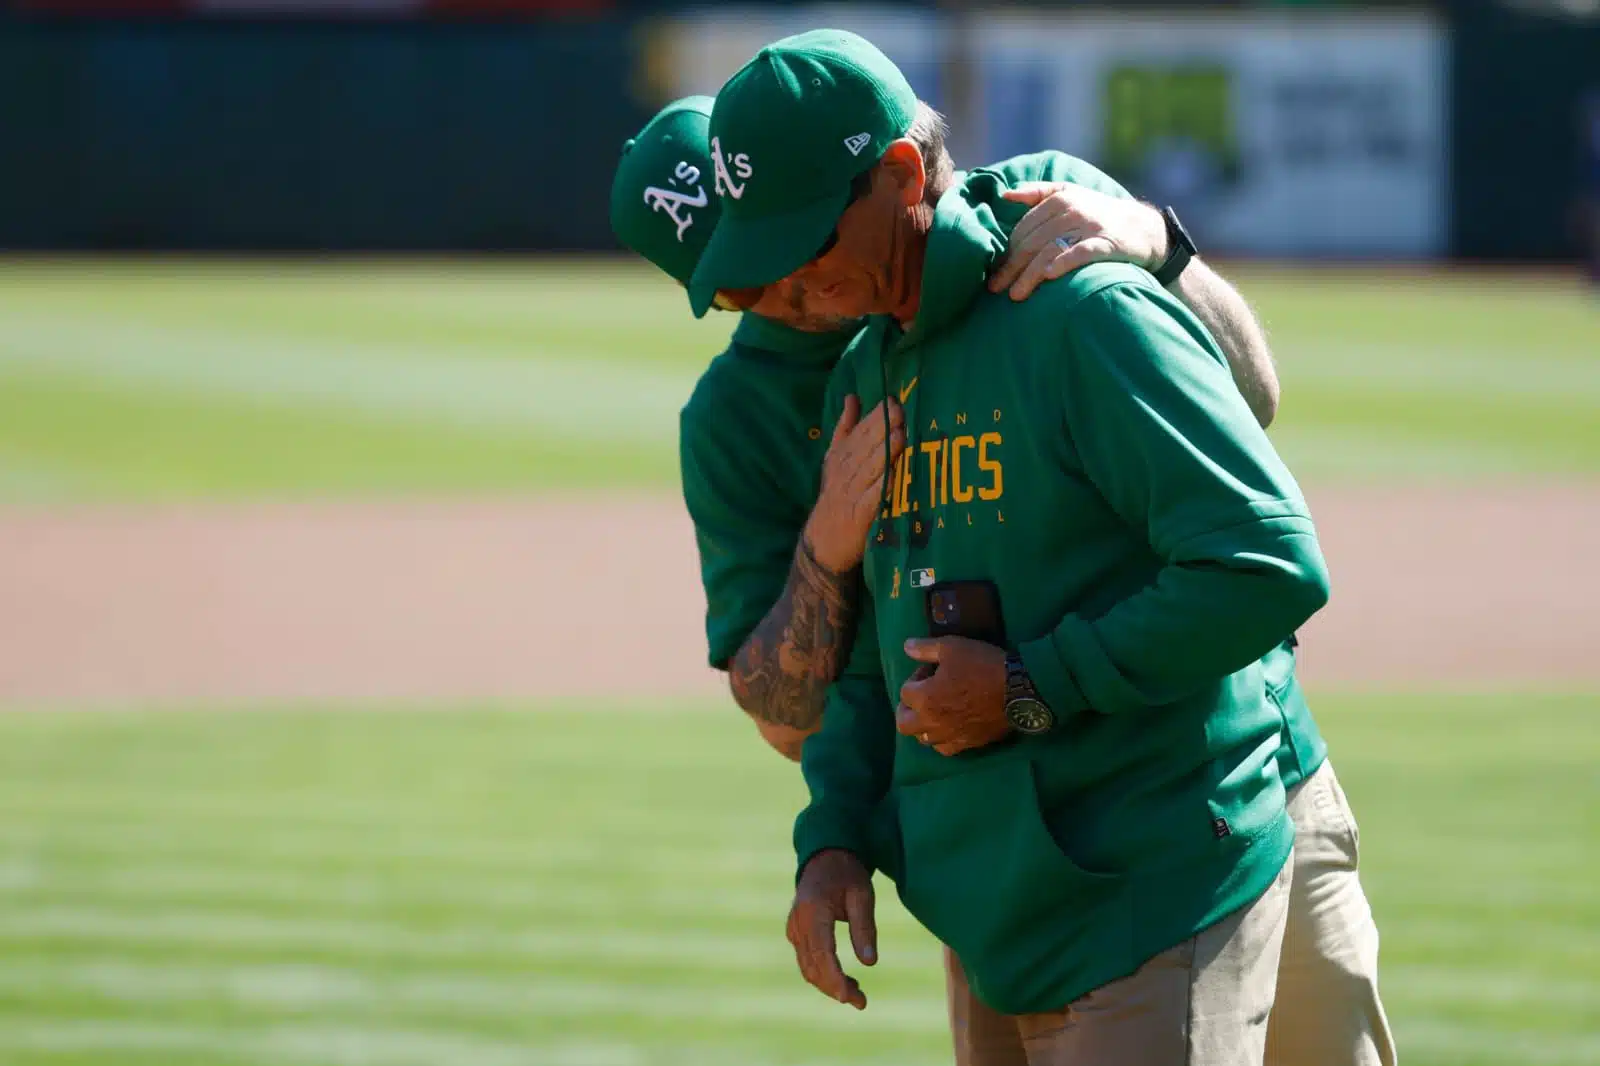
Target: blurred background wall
1289, 129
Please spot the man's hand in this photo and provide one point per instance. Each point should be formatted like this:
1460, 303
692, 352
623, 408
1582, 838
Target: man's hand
852, 484
1096, 226
834, 887
956, 701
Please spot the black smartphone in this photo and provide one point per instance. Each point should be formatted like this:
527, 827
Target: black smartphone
966, 609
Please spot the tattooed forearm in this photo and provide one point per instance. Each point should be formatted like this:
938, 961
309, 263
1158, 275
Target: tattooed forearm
781, 673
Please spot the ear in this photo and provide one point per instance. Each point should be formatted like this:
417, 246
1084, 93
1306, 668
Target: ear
902, 161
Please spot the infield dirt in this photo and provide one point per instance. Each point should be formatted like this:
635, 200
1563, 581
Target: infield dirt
598, 598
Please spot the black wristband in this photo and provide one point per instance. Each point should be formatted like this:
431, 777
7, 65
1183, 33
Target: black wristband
1180, 248
1019, 684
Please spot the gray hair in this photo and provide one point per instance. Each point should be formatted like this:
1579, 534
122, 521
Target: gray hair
928, 132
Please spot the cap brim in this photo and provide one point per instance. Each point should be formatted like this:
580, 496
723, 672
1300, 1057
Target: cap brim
746, 253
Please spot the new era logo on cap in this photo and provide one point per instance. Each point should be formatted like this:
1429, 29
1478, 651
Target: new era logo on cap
858, 142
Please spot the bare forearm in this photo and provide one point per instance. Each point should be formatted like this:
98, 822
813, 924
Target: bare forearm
780, 675
1224, 312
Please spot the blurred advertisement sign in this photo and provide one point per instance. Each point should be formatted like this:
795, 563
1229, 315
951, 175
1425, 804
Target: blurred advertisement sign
1287, 134
1273, 134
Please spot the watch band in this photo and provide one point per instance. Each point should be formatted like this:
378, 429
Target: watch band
1180, 248
1025, 711
1019, 686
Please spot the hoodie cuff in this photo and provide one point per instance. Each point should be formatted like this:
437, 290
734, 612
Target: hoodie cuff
1051, 677
819, 829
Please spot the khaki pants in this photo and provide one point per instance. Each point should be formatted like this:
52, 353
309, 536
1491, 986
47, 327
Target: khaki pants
1203, 1003
1327, 1011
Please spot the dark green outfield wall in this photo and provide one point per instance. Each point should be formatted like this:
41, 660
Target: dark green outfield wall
414, 135
1519, 82
282, 136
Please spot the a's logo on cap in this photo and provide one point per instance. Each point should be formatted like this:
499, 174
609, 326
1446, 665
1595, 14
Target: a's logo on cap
671, 201
858, 142
741, 164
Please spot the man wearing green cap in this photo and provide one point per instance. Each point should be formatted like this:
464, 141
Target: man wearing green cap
1089, 806
750, 423
751, 439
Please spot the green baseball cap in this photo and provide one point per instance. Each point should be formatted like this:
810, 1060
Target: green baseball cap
662, 205
788, 133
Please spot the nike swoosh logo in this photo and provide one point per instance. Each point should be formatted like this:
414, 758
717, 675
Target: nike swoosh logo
905, 390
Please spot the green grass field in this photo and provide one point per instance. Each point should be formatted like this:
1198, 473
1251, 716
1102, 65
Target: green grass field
135, 380
589, 886
580, 887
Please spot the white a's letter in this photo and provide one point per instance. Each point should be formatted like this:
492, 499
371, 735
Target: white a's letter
672, 202
725, 184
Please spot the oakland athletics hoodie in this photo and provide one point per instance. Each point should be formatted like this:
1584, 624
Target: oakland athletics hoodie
1088, 452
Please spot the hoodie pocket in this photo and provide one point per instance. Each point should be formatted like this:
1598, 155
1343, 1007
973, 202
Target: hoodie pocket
985, 875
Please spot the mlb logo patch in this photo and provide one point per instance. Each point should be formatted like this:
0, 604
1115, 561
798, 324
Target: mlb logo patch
921, 579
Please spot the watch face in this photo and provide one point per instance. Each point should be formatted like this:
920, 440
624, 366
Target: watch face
1030, 716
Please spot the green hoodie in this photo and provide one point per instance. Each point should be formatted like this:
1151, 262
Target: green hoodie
1088, 452
750, 452
751, 442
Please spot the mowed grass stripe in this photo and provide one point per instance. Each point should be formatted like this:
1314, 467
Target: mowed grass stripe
1510, 433
547, 387
617, 312
1319, 454
161, 380
1550, 376
321, 1044
132, 1041
345, 992
522, 914
1558, 929
1535, 313
658, 1034
138, 805
349, 998
1478, 838
393, 948
165, 758
547, 392
87, 855
102, 442
28, 479
555, 897
133, 817
298, 848
249, 934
